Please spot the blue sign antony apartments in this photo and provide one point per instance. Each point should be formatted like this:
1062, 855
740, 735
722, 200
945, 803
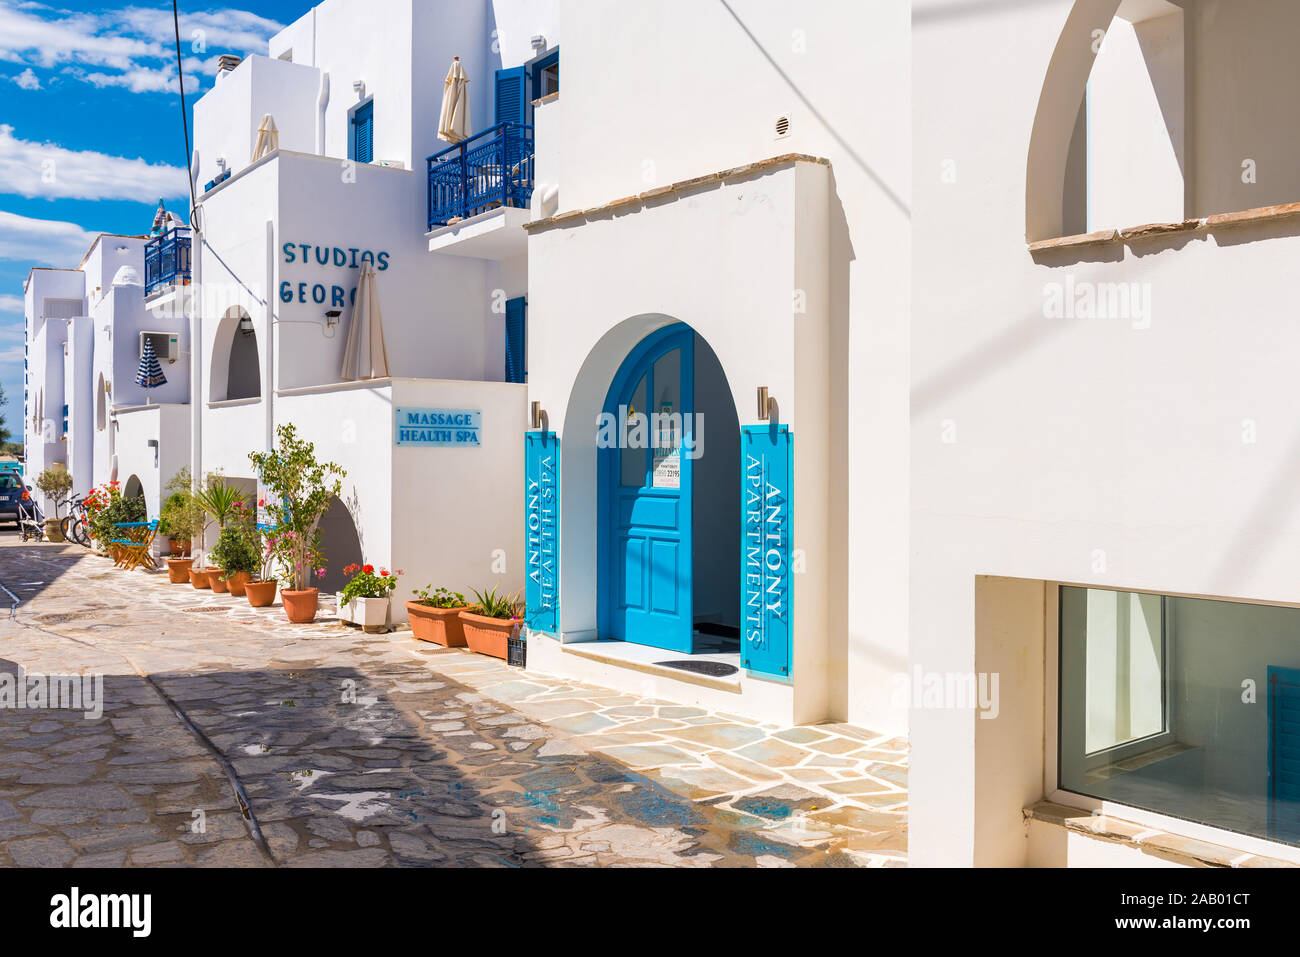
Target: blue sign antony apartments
541, 531
439, 427
766, 587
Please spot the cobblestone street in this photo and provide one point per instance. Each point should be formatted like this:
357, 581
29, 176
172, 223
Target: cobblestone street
231, 738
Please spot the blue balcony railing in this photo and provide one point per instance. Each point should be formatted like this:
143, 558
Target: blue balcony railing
167, 260
489, 170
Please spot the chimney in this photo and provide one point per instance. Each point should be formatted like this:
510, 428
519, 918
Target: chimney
227, 61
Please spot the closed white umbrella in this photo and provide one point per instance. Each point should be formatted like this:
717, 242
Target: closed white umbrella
366, 356
453, 123
268, 138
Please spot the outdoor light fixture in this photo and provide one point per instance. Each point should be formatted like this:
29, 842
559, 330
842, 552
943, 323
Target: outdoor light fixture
539, 42
764, 404
332, 316
359, 87
538, 413
246, 325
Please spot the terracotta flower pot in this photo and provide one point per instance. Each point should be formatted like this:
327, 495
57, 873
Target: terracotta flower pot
442, 626
488, 636
215, 582
180, 547
237, 582
199, 578
178, 570
300, 605
260, 594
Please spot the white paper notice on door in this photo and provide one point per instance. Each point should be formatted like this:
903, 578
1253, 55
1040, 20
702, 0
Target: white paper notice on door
668, 469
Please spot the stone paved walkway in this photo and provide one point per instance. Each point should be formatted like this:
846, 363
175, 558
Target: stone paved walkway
361, 750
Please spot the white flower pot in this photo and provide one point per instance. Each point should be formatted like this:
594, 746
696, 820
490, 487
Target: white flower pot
370, 613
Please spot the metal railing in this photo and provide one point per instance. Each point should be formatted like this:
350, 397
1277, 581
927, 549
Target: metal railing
489, 170
167, 260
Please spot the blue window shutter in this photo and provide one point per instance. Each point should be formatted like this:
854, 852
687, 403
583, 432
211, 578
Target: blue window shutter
512, 99
363, 133
516, 340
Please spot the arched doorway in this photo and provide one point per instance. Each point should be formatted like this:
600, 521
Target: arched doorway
668, 488
340, 543
236, 366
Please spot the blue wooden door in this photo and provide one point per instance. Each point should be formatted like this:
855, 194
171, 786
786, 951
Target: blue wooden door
645, 545
1284, 754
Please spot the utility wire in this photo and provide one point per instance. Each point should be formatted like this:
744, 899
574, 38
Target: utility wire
185, 118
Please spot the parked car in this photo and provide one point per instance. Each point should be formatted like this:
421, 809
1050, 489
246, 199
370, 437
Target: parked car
11, 493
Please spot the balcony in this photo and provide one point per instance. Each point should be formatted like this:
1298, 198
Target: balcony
480, 187
167, 261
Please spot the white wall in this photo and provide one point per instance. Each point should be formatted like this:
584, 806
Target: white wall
1116, 452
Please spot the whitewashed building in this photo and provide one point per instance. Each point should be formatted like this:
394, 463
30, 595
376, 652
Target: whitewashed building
1102, 336
923, 366
86, 329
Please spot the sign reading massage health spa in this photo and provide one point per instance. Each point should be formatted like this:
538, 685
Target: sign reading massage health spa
541, 531
766, 548
460, 427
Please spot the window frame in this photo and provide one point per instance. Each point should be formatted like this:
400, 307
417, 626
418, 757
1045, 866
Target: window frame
1055, 793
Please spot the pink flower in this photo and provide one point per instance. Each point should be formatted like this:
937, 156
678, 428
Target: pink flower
320, 573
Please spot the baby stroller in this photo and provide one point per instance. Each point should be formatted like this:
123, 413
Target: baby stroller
31, 522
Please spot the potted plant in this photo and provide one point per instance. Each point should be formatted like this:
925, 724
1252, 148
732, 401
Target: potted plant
303, 489
180, 517
260, 589
110, 509
366, 599
491, 621
56, 484
435, 616
237, 553
218, 501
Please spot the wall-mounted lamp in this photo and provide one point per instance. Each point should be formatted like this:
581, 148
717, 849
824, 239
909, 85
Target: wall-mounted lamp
765, 403
539, 42
538, 414
359, 88
246, 325
332, 317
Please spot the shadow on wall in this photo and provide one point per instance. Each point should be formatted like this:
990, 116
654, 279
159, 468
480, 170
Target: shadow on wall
340, 543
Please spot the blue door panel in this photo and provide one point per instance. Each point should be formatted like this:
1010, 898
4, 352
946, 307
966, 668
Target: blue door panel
644, 544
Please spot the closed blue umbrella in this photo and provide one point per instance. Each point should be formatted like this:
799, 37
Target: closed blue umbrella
150, 374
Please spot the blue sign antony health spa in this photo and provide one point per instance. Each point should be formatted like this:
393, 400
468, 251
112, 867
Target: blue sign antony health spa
541, 531
439, 427
766, 587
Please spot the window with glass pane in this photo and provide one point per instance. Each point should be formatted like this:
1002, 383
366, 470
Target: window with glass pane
1188, 707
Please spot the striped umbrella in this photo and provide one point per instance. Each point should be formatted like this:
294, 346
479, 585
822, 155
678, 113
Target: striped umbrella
150, 374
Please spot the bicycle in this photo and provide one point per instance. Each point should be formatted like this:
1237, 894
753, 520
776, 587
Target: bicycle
76, 524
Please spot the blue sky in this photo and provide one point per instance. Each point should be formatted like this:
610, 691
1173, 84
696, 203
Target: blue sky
89, 92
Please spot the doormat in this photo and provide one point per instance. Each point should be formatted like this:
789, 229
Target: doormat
714, 669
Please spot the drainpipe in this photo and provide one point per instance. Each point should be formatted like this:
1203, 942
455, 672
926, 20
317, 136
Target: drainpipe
322, 101
196, 347
268, 371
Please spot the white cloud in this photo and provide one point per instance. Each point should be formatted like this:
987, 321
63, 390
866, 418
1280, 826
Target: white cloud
10, 303
49, 171
42, 242
129, 47
27, 80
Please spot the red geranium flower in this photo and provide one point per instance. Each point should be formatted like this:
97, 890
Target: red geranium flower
368, 569
383, 573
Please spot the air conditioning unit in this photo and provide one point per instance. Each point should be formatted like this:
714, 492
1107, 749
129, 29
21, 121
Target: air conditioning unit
166, 345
